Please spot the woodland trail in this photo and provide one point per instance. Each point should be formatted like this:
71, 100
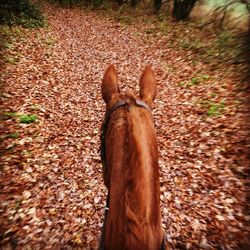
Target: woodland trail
52, 193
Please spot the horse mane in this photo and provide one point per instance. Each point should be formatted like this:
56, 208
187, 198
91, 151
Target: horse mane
133, 168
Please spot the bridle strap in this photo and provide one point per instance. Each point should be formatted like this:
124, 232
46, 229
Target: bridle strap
124, 103
112, 109
143, 104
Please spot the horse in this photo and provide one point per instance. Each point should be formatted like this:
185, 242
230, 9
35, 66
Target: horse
129, 156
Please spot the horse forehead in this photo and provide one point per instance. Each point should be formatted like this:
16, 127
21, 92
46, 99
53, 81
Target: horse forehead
129, 98
125, 94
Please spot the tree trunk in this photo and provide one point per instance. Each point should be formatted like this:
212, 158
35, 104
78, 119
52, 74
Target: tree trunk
182, 9
134, 3
120, 2
157, 5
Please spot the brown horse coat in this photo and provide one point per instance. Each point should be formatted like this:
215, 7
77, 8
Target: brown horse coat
131, 171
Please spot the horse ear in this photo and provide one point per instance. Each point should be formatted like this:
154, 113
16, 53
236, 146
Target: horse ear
110, 84
148, 86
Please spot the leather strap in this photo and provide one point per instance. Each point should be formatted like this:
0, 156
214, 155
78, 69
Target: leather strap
124, 103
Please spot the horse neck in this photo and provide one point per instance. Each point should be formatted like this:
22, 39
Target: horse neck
134, 190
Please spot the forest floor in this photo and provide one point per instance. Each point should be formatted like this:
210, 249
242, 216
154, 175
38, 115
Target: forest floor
51, 188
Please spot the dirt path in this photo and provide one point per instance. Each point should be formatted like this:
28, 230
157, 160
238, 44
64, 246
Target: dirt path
51, 178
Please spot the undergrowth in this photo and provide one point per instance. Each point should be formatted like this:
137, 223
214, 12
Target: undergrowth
22, 12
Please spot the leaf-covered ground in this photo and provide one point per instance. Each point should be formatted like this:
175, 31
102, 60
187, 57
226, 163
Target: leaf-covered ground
51, 189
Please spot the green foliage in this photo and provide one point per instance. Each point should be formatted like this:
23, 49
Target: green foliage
10, 114
21, 12
8, 36
216, 109
192, 43
151, 30
184, 44
23, 118
13, 135
7, 45
27, 118
213, 108
213, 94
125, 19
49, 41
10, 135
7, 115
5, 31
224, 39
194, 81
205, 77
11, 60
182, 84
